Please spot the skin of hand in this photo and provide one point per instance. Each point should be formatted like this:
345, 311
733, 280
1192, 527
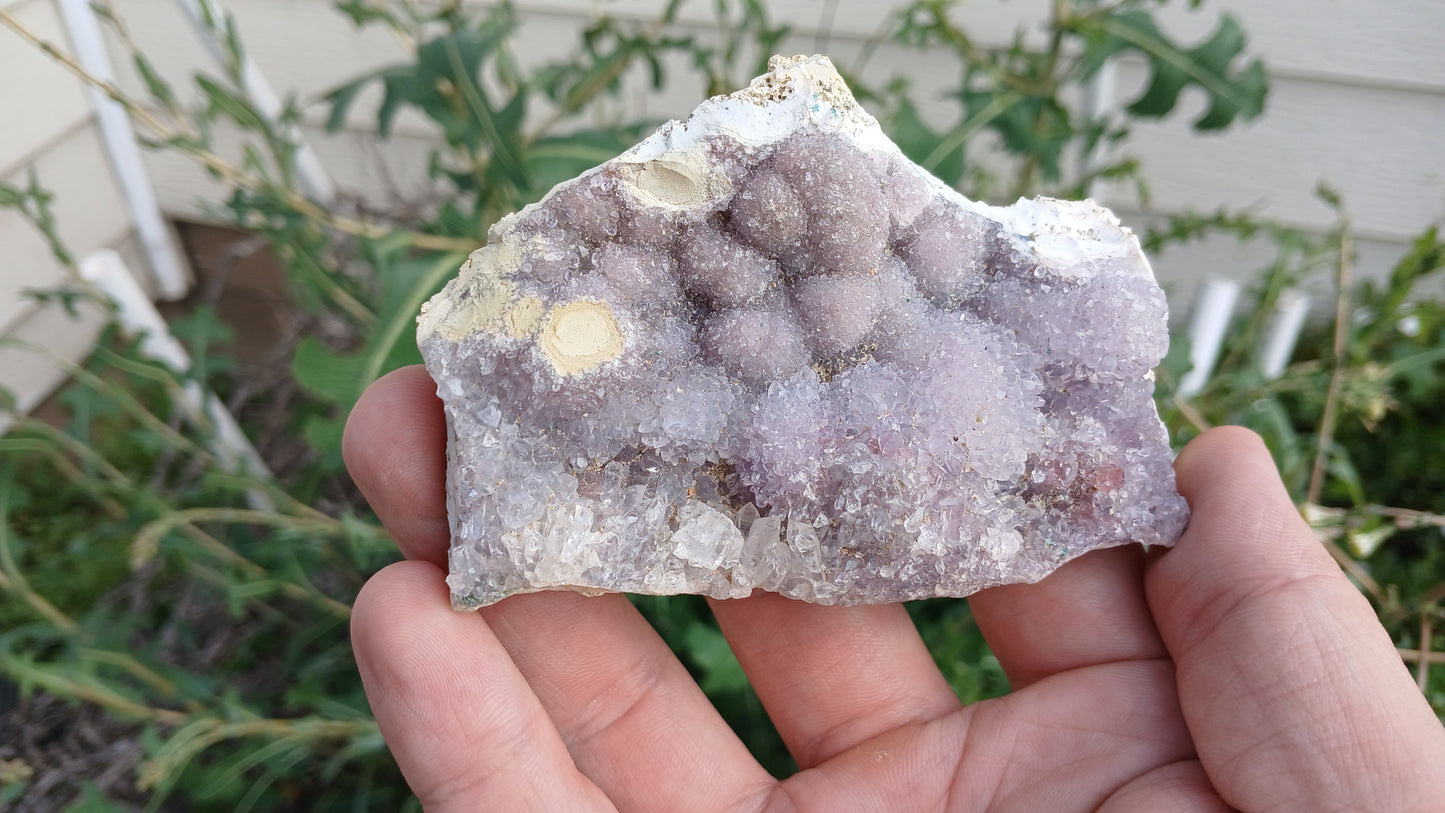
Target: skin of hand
1238, 670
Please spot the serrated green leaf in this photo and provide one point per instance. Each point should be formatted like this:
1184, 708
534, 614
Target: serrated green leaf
231, 40
341, 100
1426, 255
393, 343
923, 146
1330, 196
603, 75
324, 435
362, 14
555, 159
326, 375
444, 83
1270, 418
33, 203
159, 88
397, 89
222, 100
1035, 126
1233, 91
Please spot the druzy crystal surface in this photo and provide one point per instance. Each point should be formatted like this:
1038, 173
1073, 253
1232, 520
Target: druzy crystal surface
764, 350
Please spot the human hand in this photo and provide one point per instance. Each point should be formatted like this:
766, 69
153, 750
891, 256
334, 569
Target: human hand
1238, 670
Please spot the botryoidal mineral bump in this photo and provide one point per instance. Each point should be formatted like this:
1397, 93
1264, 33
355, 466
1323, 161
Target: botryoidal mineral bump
762, 349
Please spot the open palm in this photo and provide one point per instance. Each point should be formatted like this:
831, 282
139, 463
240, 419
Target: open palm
1238, 670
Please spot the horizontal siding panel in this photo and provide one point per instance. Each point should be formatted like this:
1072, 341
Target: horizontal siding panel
380, 171
1374, 143
1181, 269
375, 169
304, 47
1396, 42
90, 213
1379, 148
990, 22
314, 48
393, 171
1389, 43
41, 100
31, 376
27, 264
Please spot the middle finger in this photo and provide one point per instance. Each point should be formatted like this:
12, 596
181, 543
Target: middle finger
833, 677
632, 717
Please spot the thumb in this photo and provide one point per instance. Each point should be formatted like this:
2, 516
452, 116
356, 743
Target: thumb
1294, 693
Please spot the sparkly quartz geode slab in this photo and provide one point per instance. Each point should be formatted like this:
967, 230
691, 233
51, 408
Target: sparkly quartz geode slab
762, 349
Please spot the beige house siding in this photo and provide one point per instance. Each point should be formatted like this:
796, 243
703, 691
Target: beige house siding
1357, 99
48, 129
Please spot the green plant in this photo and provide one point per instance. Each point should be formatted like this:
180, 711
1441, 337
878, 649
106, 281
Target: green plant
1353, 421
138, 574
1021, 94
137, 580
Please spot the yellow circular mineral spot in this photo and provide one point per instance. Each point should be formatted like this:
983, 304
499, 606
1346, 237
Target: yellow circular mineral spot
580, 336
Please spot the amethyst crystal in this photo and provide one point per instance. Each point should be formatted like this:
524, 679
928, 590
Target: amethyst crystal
763, 350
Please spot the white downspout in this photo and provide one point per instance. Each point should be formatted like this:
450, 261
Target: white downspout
1213, 307
1285, 325
170, 271
1100, 98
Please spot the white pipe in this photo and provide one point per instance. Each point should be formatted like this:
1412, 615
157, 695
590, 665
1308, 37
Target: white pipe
107, 271
169, 270
1213, 308
1284, 329
208, 17
1100, 98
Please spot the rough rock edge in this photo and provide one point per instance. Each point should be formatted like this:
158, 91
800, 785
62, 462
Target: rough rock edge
671, 170
1067, 239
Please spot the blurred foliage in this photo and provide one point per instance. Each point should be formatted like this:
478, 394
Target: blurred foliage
208, 605
1356, 418
1021, 94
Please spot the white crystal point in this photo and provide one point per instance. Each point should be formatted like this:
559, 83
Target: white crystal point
762, 349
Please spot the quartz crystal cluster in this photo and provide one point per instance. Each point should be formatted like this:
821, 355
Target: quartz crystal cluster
764, 350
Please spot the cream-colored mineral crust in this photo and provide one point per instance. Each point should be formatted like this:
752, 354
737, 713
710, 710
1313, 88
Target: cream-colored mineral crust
523, 317
477, 299
682, 181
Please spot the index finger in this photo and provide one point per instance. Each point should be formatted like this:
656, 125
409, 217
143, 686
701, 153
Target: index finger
395, 449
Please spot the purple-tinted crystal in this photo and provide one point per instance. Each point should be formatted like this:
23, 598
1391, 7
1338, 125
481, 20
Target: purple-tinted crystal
763, 350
